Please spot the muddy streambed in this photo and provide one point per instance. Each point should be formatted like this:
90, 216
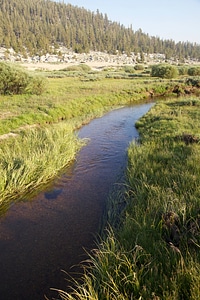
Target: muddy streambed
43, 236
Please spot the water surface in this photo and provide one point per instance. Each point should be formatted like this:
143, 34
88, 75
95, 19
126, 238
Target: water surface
41, 237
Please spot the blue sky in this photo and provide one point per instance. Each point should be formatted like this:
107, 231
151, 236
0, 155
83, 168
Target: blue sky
178, 20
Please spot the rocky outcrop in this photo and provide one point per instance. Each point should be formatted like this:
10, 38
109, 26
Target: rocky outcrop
64, 55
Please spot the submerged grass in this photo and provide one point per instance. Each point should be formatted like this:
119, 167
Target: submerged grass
154, 252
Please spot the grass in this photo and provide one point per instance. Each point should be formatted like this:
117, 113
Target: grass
153, 252
39, 124
67, 98
72, 100
33, 157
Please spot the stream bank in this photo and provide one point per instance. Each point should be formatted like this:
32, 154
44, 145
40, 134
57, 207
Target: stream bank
50, 233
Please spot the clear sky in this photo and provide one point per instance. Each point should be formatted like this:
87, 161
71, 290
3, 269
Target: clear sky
178, 20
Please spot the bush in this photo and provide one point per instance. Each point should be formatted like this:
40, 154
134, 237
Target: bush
194, 71
164, 71
139, 67
85, 68
81, 67
37, 85
183, 70
14, 80
129, 69
193, 81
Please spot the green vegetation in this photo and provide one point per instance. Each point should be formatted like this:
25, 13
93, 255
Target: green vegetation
40, 128
80, 68
171, 71
14, 80
151, 249
32, 157
38, 27
164, 71
71, 99
139, 67
194, 71
129, 69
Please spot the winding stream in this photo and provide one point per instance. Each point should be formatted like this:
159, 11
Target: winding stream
42, 237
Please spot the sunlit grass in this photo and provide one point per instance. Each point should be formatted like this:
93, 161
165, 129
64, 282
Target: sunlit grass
66, 98
32, 158
140, 257
152, 251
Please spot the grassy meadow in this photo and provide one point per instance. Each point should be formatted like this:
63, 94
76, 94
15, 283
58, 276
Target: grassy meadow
41, 128
153, 250
150, 249
38, 132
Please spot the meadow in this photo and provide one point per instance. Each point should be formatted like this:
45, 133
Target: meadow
41, 128
38, 132
150, 246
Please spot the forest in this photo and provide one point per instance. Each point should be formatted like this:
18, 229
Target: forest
40, 27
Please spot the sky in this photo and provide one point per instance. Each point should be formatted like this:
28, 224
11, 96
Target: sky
178, 20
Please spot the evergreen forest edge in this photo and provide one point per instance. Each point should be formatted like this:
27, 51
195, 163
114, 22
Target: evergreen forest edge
40, 27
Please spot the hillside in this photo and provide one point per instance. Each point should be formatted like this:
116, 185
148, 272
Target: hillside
40, 27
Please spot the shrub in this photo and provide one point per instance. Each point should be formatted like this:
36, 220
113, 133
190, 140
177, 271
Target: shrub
81, 67
193, 81
164, 71
139, 67
85, 68
129, 69
194, 71
183, 70
37, 85
14, 80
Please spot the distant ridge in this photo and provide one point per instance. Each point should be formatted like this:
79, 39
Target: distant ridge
42, 26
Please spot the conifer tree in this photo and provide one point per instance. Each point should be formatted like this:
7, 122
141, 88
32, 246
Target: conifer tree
39, 25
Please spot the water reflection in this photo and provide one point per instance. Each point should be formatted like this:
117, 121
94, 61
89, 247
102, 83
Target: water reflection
53, 194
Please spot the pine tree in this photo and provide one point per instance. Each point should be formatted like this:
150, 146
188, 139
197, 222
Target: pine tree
38, 25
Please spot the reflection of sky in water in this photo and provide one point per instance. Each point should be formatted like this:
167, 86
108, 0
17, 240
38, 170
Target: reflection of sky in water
53, 194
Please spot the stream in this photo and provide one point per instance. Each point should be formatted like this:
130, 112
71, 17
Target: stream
43, 236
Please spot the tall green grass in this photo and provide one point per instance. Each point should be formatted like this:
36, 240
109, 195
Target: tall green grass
153, 253
66, 98
72, 100
33, 157
154, 250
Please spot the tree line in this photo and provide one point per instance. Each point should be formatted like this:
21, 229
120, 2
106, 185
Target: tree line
35, 26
